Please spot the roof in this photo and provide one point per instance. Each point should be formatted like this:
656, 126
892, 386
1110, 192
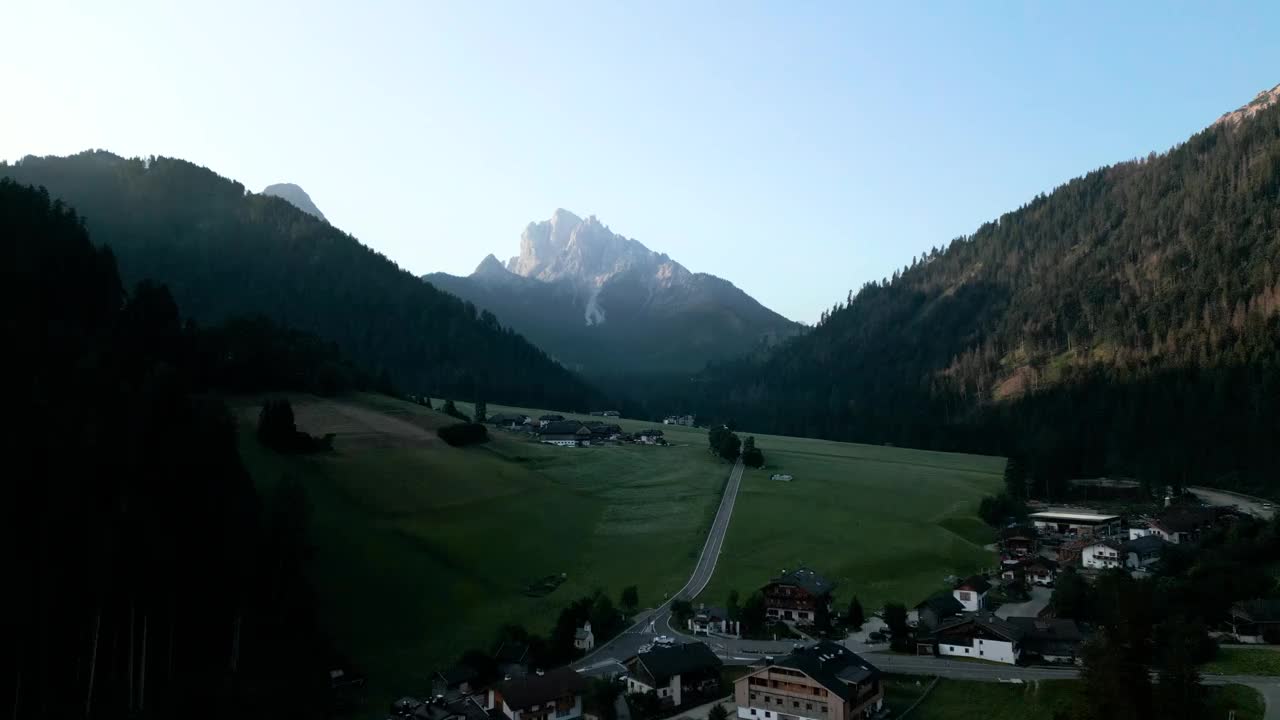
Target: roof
650, 431
561, 427
1105, 542
807, 579
551, 417
944, 604
976, 583
1041, 562
663, 663
1058, 636
984, 620
1073, 516
1185, 519
1258, 610
531, 690
1145, 545
506, 418
581, 634
832, 665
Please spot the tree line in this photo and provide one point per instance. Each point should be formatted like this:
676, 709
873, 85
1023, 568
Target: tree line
147, 574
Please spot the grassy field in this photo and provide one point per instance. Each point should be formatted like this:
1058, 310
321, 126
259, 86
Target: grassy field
422, 550
887, 524
965, 700
1243, 661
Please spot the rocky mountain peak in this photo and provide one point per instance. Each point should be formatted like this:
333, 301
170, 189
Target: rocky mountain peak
490, 266
1260, 102
296, 197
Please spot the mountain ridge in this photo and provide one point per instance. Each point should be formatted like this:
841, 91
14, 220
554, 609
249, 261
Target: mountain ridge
296, 196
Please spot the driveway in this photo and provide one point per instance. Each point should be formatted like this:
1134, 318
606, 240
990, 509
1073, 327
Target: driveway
1031, 608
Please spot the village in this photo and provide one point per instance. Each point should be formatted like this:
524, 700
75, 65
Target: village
703, 657
553, 429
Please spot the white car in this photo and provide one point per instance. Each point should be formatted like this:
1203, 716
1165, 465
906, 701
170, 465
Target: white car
664, 641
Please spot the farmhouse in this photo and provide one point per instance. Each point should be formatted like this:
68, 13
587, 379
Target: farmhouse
824, 681
1018, 542
796, 596
565, 433
675, 674
548, 419
1075, 522
712, 620
1053, 640
1040, 571
1102, 555
1143, 552
649, 437
1256, 621
583, 638
1182, 523
542, 696
510, 421
981, 635
971, 593
937, 609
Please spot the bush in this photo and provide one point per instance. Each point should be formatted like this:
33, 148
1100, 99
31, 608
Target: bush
463, 434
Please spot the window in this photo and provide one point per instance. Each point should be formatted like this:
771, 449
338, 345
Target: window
753, 711
753, 696
795, 703
808, 706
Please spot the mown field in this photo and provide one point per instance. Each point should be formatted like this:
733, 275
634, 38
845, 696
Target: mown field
1244, 661
423, 550
886, 524
969, 700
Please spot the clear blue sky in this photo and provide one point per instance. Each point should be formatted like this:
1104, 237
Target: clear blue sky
797, 149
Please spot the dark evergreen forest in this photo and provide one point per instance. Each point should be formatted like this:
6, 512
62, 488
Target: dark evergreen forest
145, 575
225, 253
1128, 322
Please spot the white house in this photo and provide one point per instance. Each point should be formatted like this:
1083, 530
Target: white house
584, 639
1102, 555
982, 636
972, 593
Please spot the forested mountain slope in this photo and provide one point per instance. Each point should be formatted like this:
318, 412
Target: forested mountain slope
225, 253
1127, 321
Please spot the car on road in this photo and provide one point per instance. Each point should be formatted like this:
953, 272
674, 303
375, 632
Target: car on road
664, 641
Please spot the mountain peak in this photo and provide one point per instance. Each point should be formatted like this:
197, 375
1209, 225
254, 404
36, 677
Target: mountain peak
1260, 102
296, 196
490, 266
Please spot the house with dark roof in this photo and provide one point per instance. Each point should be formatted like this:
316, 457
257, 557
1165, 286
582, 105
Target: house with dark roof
677, 675
553, 695
510, 421
1143, 551
440, 708
795, 596
547, 419
935, 610
1256, 621
1053, 640
650, 436
1183, 523
824, 681
979, 635
453, 681
712, 620
971, 593
1018, 542
565, 433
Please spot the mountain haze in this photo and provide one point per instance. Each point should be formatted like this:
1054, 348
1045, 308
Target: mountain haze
227, 253
606, 304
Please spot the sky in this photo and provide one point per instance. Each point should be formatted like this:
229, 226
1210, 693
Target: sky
797, 149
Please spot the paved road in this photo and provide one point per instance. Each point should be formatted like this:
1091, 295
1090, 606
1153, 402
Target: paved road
656, 621
1226, 498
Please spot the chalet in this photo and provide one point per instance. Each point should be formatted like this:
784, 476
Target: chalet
676, 674
649, 437
584, 639
548, 419
1138, 530
604, 431
1075, 523
712, 621
971, 593
565, 433
1052, 640
794, 597
823, 681
555, 694
1143, 552
980, 635
1102, 555
1256, 621
1040, 571
1018, 542
936, 610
